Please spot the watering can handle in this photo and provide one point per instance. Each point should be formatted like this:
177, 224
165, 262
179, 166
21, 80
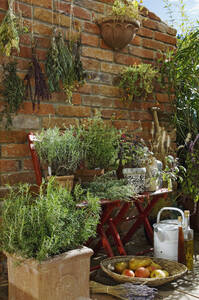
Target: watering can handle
170, 208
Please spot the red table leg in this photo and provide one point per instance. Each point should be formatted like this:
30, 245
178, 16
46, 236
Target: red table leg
143, 218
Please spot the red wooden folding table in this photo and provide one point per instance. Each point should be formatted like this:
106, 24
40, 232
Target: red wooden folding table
114, 213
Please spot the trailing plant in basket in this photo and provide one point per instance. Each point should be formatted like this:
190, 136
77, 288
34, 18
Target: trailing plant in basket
60, 150
47, 224
137, 80
126, 9
13, 91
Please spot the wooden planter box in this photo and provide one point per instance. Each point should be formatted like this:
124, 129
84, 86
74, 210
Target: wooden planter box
64, 277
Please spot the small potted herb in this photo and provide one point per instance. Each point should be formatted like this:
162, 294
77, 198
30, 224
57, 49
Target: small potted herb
42, 237
61, 151
134, 156
100, 144
120, 27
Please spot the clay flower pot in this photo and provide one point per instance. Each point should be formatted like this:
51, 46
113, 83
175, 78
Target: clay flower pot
86, 175
118, 33
65, 181
65, 276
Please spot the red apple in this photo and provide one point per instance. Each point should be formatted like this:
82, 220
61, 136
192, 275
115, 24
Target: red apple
142, 272
128, 272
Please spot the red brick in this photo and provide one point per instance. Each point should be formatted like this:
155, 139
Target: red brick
43, 3
4, 5
153, 16
162, 97
106, 90
111, 68
9, 136
43, 42
24, 9
140, 115
126, 125
165, 38
44, 109
25, 52
73, 111
145, 32
171, 31
91, 40
85, 89
28, 164
59, 122
126, 59
152, 44
42, 29
91, 28
144, 53
115, 114
149, 24
90, 64
17, 178
97, 53
98, 7
136, 41
8, 165
15, 150
76, 99
81, 13
97, 101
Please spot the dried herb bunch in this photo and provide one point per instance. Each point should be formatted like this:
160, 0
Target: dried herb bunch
13, 91
63, 65
10, 30
41, 88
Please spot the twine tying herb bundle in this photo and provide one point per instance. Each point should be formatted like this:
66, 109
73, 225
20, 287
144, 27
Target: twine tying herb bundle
10, 30
63, 65
13, 91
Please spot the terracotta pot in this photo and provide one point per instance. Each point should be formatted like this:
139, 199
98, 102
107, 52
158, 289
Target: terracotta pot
118, 33
65, 181
64, 277
85, 175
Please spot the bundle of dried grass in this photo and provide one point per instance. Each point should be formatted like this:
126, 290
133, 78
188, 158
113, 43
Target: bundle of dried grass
126, 291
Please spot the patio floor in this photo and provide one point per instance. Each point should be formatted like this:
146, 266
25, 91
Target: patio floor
186, 288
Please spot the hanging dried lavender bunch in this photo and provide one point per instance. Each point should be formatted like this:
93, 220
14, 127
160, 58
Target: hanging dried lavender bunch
41, 89
13, 91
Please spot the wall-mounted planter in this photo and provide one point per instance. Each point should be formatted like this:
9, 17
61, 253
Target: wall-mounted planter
117, 33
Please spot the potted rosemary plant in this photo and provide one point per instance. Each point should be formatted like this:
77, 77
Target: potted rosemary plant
120, 27
42, 237
100, 145
61, 151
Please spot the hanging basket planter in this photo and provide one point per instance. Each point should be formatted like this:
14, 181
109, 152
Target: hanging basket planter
118, 33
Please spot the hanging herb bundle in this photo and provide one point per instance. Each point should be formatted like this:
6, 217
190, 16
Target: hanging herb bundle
63, 65
10, 30
41, 89
13, 91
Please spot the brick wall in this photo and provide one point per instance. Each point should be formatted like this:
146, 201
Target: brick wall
99, 92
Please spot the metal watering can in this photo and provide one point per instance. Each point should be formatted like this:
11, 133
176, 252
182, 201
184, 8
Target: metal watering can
166, 236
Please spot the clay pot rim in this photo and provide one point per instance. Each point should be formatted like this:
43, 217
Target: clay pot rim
114, 19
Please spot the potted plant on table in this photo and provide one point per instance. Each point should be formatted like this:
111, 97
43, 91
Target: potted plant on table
120, 27
61, 151
134, 156
42, 237
100, 145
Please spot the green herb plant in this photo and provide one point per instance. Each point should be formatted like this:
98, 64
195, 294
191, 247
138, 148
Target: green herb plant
63, 65
137, 81
100, 143
10, 30
47, 224
123, 9
109, 187
13, 92
60, 150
